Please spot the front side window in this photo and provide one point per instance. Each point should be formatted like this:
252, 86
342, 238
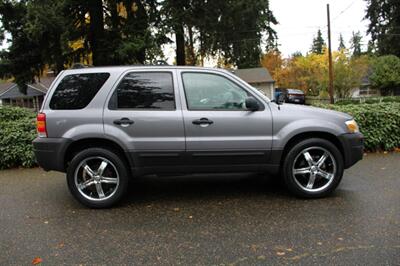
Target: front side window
144, 90
212, 92
77, 91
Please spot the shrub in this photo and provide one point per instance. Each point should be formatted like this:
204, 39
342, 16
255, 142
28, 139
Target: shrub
368, 100
17, 130
379, 122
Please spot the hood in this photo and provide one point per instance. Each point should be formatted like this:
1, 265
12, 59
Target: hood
303, 111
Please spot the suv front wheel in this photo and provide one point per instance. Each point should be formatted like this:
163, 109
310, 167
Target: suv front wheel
313, 168
97, 177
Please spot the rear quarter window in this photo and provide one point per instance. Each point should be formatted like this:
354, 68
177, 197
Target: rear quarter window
76, 91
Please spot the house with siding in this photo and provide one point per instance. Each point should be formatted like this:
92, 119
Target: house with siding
259, 78
10, 93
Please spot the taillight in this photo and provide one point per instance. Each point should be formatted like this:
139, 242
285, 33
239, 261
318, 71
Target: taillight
41, 125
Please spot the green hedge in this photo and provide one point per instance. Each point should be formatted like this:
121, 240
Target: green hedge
368, 100
379, 122
17, 130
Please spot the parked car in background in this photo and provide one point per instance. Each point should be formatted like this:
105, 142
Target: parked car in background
290, 95
104, 125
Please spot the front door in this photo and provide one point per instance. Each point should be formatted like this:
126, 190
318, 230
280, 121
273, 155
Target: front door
220, 131
144, 113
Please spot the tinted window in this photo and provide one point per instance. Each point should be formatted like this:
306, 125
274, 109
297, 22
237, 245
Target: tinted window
295, 91
209, 92
145, 91
76, 91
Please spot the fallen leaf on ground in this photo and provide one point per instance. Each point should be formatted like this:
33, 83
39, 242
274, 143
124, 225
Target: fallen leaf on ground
37, 260
190, 217
279, 253
177, 209
46, 222
261, 257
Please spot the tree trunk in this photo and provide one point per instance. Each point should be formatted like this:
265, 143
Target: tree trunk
142, 24
191, 47
96, 36
180, 45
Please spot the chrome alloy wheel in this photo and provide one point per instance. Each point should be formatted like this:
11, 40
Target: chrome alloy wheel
96, 178
314, 169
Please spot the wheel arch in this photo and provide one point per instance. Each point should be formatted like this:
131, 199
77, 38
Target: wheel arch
308, 135
82, 144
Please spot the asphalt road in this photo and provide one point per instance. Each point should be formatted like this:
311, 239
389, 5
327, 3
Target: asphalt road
205, 220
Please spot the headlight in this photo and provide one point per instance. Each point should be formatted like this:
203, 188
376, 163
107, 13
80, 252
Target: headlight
352, 126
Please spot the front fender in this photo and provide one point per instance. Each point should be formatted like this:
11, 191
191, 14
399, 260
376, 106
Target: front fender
288, 131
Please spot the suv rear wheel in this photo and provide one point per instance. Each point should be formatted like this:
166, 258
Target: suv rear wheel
97, 177
313, 168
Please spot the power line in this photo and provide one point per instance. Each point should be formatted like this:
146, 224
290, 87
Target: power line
344, 10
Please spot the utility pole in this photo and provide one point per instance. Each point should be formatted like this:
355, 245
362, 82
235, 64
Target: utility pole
331, 93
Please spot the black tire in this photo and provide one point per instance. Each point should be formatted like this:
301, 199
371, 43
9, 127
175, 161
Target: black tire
295, 155
114, 163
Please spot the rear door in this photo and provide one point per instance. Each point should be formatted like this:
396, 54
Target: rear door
220, 131
143, 112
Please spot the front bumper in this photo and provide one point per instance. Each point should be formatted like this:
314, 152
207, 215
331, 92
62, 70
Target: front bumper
50, 152
353, 148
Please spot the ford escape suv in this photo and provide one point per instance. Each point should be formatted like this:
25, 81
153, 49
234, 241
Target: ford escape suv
104, 125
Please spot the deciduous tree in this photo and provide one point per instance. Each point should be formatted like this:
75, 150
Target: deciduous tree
272, 61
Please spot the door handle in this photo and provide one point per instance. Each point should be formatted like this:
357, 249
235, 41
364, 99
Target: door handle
202, 121
123, 122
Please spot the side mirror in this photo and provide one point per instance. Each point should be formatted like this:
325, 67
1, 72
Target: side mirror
252, 104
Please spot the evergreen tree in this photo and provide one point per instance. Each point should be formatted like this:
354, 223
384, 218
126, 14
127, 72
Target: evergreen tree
318, 44
341, 43
296, 54
385, 24
355, 41
56, 34
240, 25
231, 30
22, 60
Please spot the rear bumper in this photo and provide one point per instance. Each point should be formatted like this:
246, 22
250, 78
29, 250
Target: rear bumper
353, 148
50, 152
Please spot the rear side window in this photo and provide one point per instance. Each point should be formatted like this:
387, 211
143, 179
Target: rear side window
77, 91
144, 90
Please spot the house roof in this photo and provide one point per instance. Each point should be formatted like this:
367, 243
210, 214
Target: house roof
254, 75
43, 84
10, 90
4, 86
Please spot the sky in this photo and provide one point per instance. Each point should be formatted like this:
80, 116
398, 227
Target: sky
299, 22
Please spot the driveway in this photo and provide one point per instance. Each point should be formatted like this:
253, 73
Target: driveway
205, 220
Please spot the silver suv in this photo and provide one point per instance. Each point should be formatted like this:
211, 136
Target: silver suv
104, 125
